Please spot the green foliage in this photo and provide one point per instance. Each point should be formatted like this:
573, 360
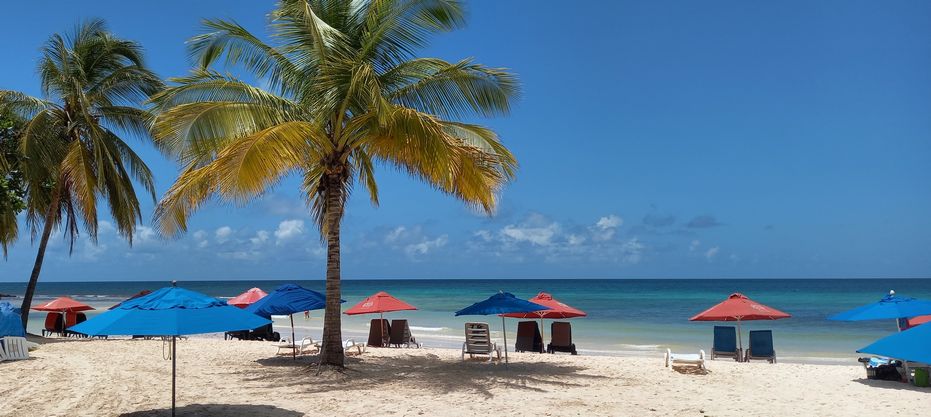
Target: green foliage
12, 182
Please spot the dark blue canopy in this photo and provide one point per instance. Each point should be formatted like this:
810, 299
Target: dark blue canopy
890, 307
10, 322
501, 303
170, 311
911, 345
288, 299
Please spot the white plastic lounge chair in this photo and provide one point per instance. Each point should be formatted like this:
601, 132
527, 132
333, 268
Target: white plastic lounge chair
691, 359
351, 344
478, 342
15, 348
2, 354
308, 345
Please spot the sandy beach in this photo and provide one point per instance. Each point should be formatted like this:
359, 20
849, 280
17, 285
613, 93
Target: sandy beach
232, 378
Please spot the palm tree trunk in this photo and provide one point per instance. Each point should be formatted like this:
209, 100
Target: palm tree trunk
332, 352
37, 267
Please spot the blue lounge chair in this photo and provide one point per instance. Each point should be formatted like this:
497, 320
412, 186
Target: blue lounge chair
725, 343
761, 346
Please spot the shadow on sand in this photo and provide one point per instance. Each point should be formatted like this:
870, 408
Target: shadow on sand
894, 385
427, 372
215, 410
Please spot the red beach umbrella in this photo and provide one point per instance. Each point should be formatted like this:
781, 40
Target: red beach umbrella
558, 310
63, 304
914, 321
247, 298
381, 302
739, 308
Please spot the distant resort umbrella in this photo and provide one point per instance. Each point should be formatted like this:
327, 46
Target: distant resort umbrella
11, 324
381, 303
135, 296
247, 298
737, 307
63, 306
170, 311
501, 303
909, 345
557, 310
914, 321
890, 307
287, 300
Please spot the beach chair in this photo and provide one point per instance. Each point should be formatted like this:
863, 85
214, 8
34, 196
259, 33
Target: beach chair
401, 334
685, 359
478, 342
15, 348
725, 343
308, 346
379, 333
349, 345
761, 346
53, 325
561, 333
528, 337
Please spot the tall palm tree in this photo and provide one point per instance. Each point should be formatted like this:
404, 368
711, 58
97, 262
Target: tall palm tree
345, 93
93, 84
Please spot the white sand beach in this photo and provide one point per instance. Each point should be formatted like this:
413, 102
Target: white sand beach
233, 378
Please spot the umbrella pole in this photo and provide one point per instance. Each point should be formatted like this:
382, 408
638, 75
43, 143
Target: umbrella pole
174, 364
504, 331
293, 340
740, 342
542, 332
908, 373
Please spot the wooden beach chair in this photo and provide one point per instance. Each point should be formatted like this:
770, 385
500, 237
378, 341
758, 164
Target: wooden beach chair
379, 333
685, 359
15, 348
401, 335
478, 342
561, 333
761, 346
725, 343
528, 337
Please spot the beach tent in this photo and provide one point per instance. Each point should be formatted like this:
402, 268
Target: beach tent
909, 345
170, 312
287, 300
737, 307
11, 324
557, 310
501, 304
381, 303
65, 306
247, 298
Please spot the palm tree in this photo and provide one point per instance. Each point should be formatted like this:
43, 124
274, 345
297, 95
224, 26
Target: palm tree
345, 93
93, 83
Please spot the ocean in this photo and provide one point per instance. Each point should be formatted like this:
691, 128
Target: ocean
625, 316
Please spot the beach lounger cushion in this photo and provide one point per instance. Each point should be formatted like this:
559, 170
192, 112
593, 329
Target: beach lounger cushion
725, 343
690, 359
528, 337
561, 338
761, 346
478, 342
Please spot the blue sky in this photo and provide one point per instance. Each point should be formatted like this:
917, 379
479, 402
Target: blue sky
656, 139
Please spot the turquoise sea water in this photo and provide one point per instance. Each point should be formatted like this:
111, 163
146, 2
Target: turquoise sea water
624, 316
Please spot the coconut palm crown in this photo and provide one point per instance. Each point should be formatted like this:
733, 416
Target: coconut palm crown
73, 153
344, 93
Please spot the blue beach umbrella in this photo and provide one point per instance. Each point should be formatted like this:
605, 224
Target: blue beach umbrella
287, 300
11, 324
170, 311
501, 303
910, 345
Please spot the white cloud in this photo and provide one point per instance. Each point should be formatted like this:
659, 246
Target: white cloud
145, 234
694, 245
710, 254
396, 234
426, 246
223, 234
541, 236
288, 229
605, 227
200, 237
576, 240
260, 237
631, 251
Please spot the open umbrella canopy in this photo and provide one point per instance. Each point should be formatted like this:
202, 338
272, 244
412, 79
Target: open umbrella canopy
170, 311
247, 298
10, 322
889, 307
557, 309
63, 304
380, 302
501, 303
288, 299
135, 296
914, 321
910, 345
738, 307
